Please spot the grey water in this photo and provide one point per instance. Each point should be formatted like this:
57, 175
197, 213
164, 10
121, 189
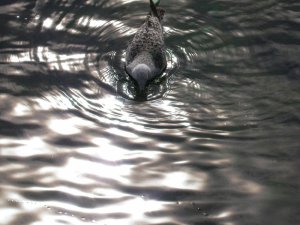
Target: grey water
216, 143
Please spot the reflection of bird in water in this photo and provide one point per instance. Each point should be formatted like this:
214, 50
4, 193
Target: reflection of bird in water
145, 56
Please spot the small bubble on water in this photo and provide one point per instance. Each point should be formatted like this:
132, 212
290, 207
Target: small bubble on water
205, 214
11, 201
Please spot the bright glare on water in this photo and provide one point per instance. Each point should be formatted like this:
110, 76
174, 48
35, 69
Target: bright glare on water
216, 143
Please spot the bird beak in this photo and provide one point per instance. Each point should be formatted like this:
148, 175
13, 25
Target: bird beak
141, 93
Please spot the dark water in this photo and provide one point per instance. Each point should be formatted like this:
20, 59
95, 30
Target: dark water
218, 142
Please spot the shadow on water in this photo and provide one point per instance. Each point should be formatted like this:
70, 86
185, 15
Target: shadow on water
217, 142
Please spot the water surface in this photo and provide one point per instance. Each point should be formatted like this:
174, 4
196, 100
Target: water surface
217, 143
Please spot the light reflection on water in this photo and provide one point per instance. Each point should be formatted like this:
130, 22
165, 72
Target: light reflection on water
217, 142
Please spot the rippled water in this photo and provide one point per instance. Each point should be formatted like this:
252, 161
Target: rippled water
217, 142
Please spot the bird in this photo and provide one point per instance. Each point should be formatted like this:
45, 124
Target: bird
146, 55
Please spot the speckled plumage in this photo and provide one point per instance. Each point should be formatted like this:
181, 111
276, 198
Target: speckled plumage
147, 47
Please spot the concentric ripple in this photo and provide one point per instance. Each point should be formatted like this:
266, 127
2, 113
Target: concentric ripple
216, 143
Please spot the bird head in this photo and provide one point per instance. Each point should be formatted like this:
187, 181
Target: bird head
141, 73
